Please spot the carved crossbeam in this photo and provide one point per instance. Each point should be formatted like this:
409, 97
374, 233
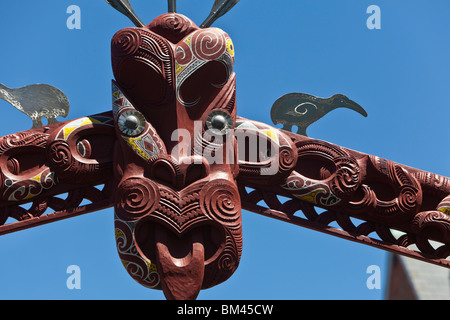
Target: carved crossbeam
316, 185
50, 173
371, 200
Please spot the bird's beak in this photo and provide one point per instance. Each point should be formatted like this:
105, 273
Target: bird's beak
356, 107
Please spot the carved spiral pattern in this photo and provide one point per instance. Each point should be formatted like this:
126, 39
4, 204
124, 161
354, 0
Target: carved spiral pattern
126, 42
228, 260
124, 237
173, 26
287, 160
136, 198
208, 45
60, 156
367, 203
28, 188
138, 268
183, 54
435, 224
176, 23
220, 200
22, 139
407, 199
347, 178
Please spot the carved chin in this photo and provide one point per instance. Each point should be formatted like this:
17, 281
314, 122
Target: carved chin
185, 241
181, 259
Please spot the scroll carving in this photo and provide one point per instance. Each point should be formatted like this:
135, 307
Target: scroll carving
388, 198
39, 165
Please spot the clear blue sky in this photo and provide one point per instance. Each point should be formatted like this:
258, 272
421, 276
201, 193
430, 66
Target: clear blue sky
399, 74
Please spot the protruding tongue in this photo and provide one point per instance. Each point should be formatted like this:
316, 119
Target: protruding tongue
180, 264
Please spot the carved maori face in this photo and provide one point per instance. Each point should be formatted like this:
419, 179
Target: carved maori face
177, 211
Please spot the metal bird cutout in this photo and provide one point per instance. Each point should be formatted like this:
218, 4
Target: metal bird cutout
176, 164
301, 110
37, 101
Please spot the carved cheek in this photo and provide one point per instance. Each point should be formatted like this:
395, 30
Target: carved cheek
136, 198
220, 201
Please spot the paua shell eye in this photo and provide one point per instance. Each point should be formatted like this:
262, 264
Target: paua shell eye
131, 123
219, 122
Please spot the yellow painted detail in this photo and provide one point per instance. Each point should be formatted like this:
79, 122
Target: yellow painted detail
78, 123
32, 195
179, 68
119, 233
37, 178
310, 197
445, 210
68, 131
188, 40
271, 134
151, 266
131, 142
230, 47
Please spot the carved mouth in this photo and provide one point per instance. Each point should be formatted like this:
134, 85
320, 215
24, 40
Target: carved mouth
180, 258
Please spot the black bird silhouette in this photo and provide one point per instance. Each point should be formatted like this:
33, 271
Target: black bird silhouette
301, 109
37, 101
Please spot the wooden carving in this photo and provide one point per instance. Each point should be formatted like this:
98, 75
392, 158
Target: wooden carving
405, 209
178, 215
178, 165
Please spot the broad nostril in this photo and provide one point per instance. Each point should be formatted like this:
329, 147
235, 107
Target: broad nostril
195, 172
176, 175
164, 171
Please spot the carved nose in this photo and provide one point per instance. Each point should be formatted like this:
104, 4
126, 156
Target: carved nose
178, 175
